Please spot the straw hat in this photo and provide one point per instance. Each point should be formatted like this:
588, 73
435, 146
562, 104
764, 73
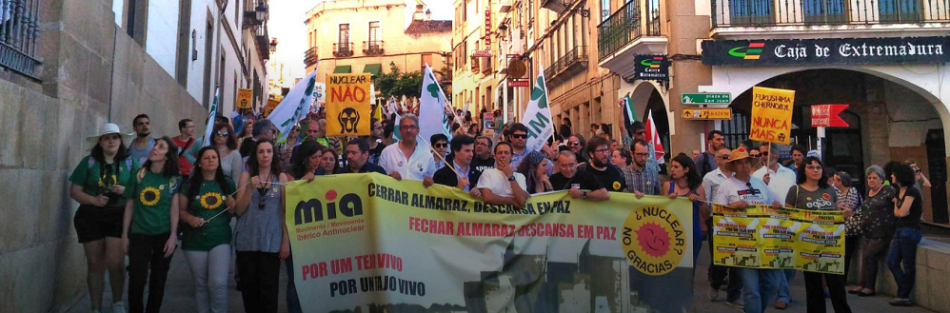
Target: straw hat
108, 129
736, 155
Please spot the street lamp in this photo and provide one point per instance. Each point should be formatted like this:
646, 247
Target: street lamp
261, 12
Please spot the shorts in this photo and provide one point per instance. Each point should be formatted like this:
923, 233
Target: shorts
94, 223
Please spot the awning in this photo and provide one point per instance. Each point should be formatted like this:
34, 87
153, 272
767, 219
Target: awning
342, 69
374, 69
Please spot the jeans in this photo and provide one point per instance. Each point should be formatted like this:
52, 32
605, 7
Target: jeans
293, 302
147, 259
874, 251
755, 284
783, 292
209, 269
260, 276
815, 292
904, 251
717, 274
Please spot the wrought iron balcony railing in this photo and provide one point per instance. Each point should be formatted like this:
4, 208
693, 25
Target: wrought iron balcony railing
19, 33
343, 49
574, 59
310, 56
634, 20
769, 13
373, 47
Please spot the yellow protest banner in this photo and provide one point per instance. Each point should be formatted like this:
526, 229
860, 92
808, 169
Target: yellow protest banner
243, 100
271, 105
786, 238
348, 109
363, 240
772, 115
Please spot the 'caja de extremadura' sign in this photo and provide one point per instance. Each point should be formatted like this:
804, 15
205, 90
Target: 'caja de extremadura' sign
850, 51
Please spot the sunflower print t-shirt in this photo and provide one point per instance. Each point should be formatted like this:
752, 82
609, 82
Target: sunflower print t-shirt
152, 195
207, 204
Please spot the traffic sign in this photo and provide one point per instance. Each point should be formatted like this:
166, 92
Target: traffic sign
707, 98
707, 114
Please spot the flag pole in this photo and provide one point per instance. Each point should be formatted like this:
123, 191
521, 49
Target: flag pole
439, 155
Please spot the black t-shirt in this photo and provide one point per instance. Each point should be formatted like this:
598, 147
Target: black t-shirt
912, 220
375, 153
584, 179
611, 177
482, 165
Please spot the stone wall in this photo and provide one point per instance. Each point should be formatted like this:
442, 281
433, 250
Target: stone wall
933, 275
42, 268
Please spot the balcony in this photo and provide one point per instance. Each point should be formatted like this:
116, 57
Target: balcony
633, 29
343, 49
263, 41
373, 47
19, 34
310, 56
567, 65
816, 16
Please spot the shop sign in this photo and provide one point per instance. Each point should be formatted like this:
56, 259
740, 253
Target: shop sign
518, 83
707, 98
837, 51
482, 54
828, 115
707, 114
652, 67
488, 26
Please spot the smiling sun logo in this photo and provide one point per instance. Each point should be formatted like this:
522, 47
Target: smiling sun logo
653, 240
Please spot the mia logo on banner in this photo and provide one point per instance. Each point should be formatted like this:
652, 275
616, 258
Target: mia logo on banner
349, 205
537, 116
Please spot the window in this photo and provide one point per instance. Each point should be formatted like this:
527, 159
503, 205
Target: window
344, 36
604, 10
374, 32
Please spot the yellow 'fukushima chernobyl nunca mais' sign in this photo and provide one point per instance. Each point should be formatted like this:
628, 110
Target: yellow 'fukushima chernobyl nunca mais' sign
366, 240
787, 238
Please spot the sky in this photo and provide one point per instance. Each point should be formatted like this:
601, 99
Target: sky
287, 25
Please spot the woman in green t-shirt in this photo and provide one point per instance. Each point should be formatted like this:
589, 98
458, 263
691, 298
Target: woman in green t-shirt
98, 184
206, 203
151, 224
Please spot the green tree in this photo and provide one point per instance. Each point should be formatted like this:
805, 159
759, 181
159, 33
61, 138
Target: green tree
399, 84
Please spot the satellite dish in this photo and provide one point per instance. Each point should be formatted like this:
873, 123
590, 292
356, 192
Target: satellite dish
516, 69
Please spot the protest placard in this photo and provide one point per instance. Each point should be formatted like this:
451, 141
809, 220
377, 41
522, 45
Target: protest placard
348, 109
771, 115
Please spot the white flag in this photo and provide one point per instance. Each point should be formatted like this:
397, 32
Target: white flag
432, 117
294, 107
537, 116
210, 126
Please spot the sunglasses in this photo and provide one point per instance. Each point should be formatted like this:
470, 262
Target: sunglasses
222, 134
764, 154
576, 143
724, 157
640, 132
519, 136
440, 145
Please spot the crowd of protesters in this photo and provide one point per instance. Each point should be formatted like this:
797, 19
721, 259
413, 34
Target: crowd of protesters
144, 196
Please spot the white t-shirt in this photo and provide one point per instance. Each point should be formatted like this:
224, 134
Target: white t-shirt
779, 182
419, 165
733, 190
496, 181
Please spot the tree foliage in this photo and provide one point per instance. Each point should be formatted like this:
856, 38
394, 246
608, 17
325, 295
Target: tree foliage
399, 84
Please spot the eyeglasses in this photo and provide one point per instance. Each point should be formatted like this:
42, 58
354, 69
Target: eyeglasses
813, 168
754, 155
642, 132
602, 151
642, 154
724, 156
222, 134
519, 136
440, 145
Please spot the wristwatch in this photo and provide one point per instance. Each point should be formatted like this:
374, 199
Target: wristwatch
585, 194
512, 178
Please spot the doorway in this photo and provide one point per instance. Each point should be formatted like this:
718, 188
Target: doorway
937, 163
